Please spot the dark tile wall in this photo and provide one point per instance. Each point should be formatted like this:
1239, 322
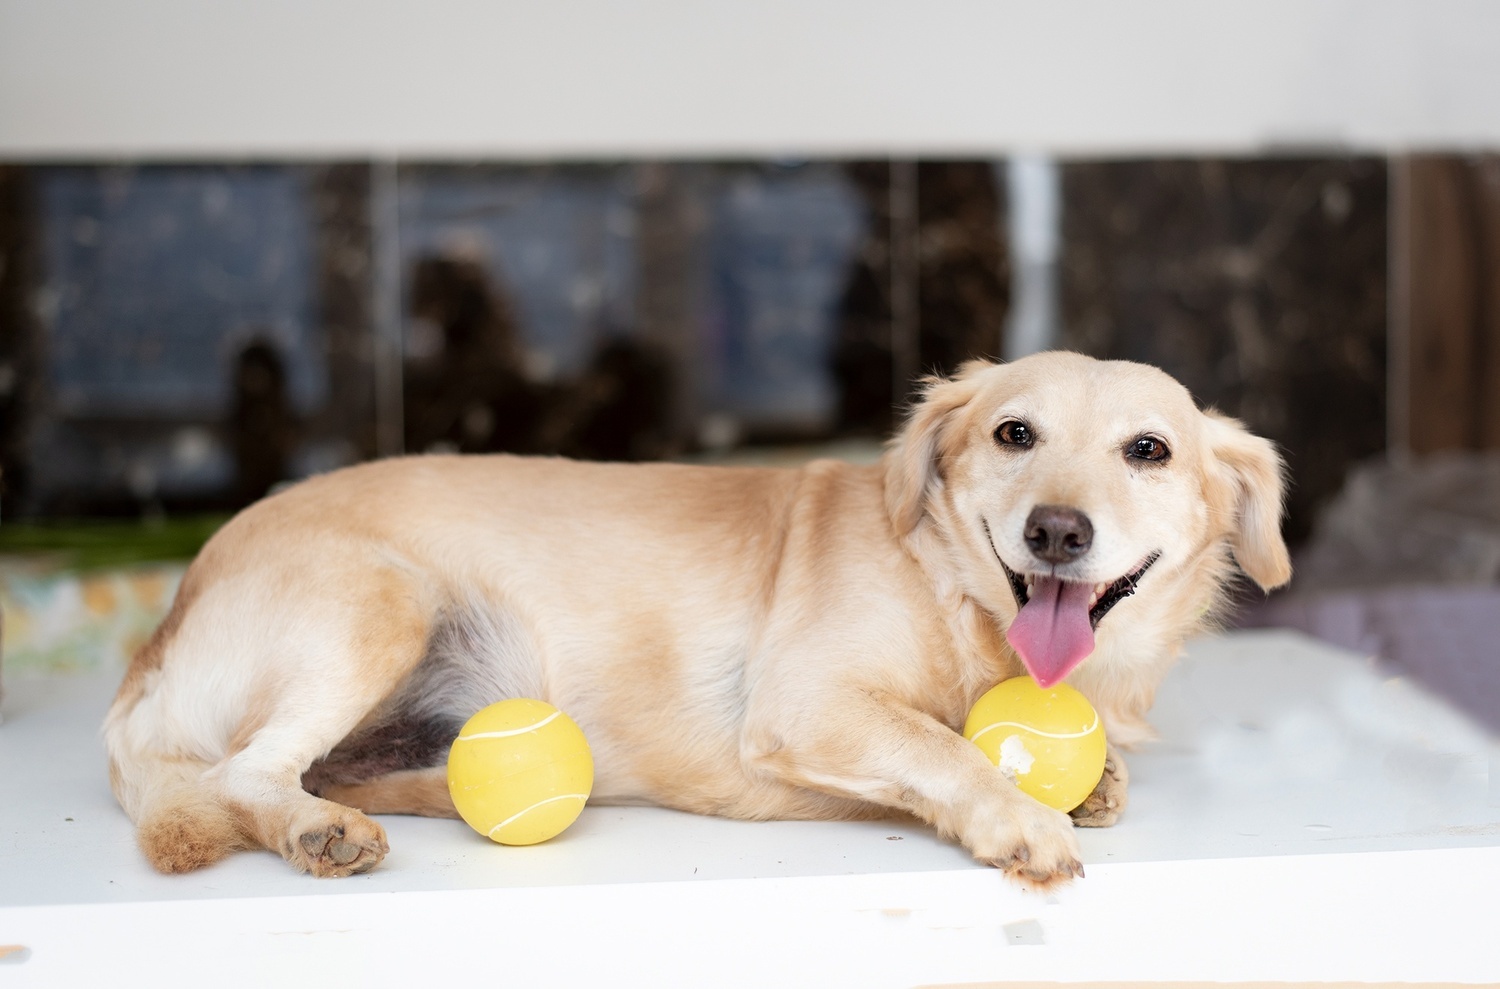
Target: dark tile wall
21, 376
185, 336
1261, 285
943, 225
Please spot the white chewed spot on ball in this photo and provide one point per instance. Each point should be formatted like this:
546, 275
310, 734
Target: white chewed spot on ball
1015, 758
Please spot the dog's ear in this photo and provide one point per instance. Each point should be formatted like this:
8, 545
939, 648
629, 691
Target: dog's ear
912, 460
1247, 485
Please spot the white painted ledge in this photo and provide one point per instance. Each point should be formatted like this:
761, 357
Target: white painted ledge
1305, 817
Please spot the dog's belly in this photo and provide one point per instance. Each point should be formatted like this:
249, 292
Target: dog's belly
663, 714
662, 711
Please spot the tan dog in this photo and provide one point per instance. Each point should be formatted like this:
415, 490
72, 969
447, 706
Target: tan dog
755, 643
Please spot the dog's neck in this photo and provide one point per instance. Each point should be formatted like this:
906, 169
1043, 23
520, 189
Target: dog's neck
979, 654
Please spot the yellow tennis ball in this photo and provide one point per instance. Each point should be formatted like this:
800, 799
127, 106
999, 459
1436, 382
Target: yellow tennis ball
1050, 741
520, 771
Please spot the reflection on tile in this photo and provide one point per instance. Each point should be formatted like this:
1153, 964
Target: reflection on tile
554, 245
780, 244
179, 312
157, 277
623, 312
637, 311
1260, 284
521, 332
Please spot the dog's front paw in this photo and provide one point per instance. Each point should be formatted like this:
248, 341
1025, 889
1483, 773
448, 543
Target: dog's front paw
1103, 807
1033, 844
342, 844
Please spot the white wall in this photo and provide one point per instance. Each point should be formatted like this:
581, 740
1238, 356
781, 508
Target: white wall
185, 78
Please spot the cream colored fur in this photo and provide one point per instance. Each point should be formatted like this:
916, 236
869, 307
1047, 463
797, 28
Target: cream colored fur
756, 643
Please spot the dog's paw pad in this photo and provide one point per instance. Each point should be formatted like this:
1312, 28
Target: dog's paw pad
342, 848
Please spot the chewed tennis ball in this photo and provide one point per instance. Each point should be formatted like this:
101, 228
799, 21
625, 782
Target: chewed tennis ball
520, 771
1050, 741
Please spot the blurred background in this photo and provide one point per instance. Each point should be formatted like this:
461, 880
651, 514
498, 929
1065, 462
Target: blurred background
244, 243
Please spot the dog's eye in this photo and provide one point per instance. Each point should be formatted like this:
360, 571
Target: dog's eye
1148, 448
1013, 432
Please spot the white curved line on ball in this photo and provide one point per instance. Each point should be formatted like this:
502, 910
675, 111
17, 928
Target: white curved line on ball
519, 813
1037, 731
509, 732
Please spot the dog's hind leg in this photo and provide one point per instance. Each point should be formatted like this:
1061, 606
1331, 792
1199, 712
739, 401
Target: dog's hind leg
338, 653
385, 638
407, 791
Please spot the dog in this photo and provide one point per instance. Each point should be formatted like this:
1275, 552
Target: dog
756, 643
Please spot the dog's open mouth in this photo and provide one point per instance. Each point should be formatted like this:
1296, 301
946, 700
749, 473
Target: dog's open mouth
1102, 597
1053, 630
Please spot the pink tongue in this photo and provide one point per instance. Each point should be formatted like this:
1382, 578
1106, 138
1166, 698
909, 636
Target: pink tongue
1052, 633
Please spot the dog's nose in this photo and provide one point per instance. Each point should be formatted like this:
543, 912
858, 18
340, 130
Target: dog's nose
1057, 534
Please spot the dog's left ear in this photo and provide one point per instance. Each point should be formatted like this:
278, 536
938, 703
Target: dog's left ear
1247, 484
912, 467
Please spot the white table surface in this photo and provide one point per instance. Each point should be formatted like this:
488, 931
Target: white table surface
1305, 816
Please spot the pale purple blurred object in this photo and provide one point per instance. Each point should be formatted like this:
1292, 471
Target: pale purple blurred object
1405, 564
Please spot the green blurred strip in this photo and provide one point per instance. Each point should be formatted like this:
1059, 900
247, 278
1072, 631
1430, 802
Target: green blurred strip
94, 545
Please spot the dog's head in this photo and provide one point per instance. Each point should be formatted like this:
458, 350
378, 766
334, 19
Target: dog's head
1083, 501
